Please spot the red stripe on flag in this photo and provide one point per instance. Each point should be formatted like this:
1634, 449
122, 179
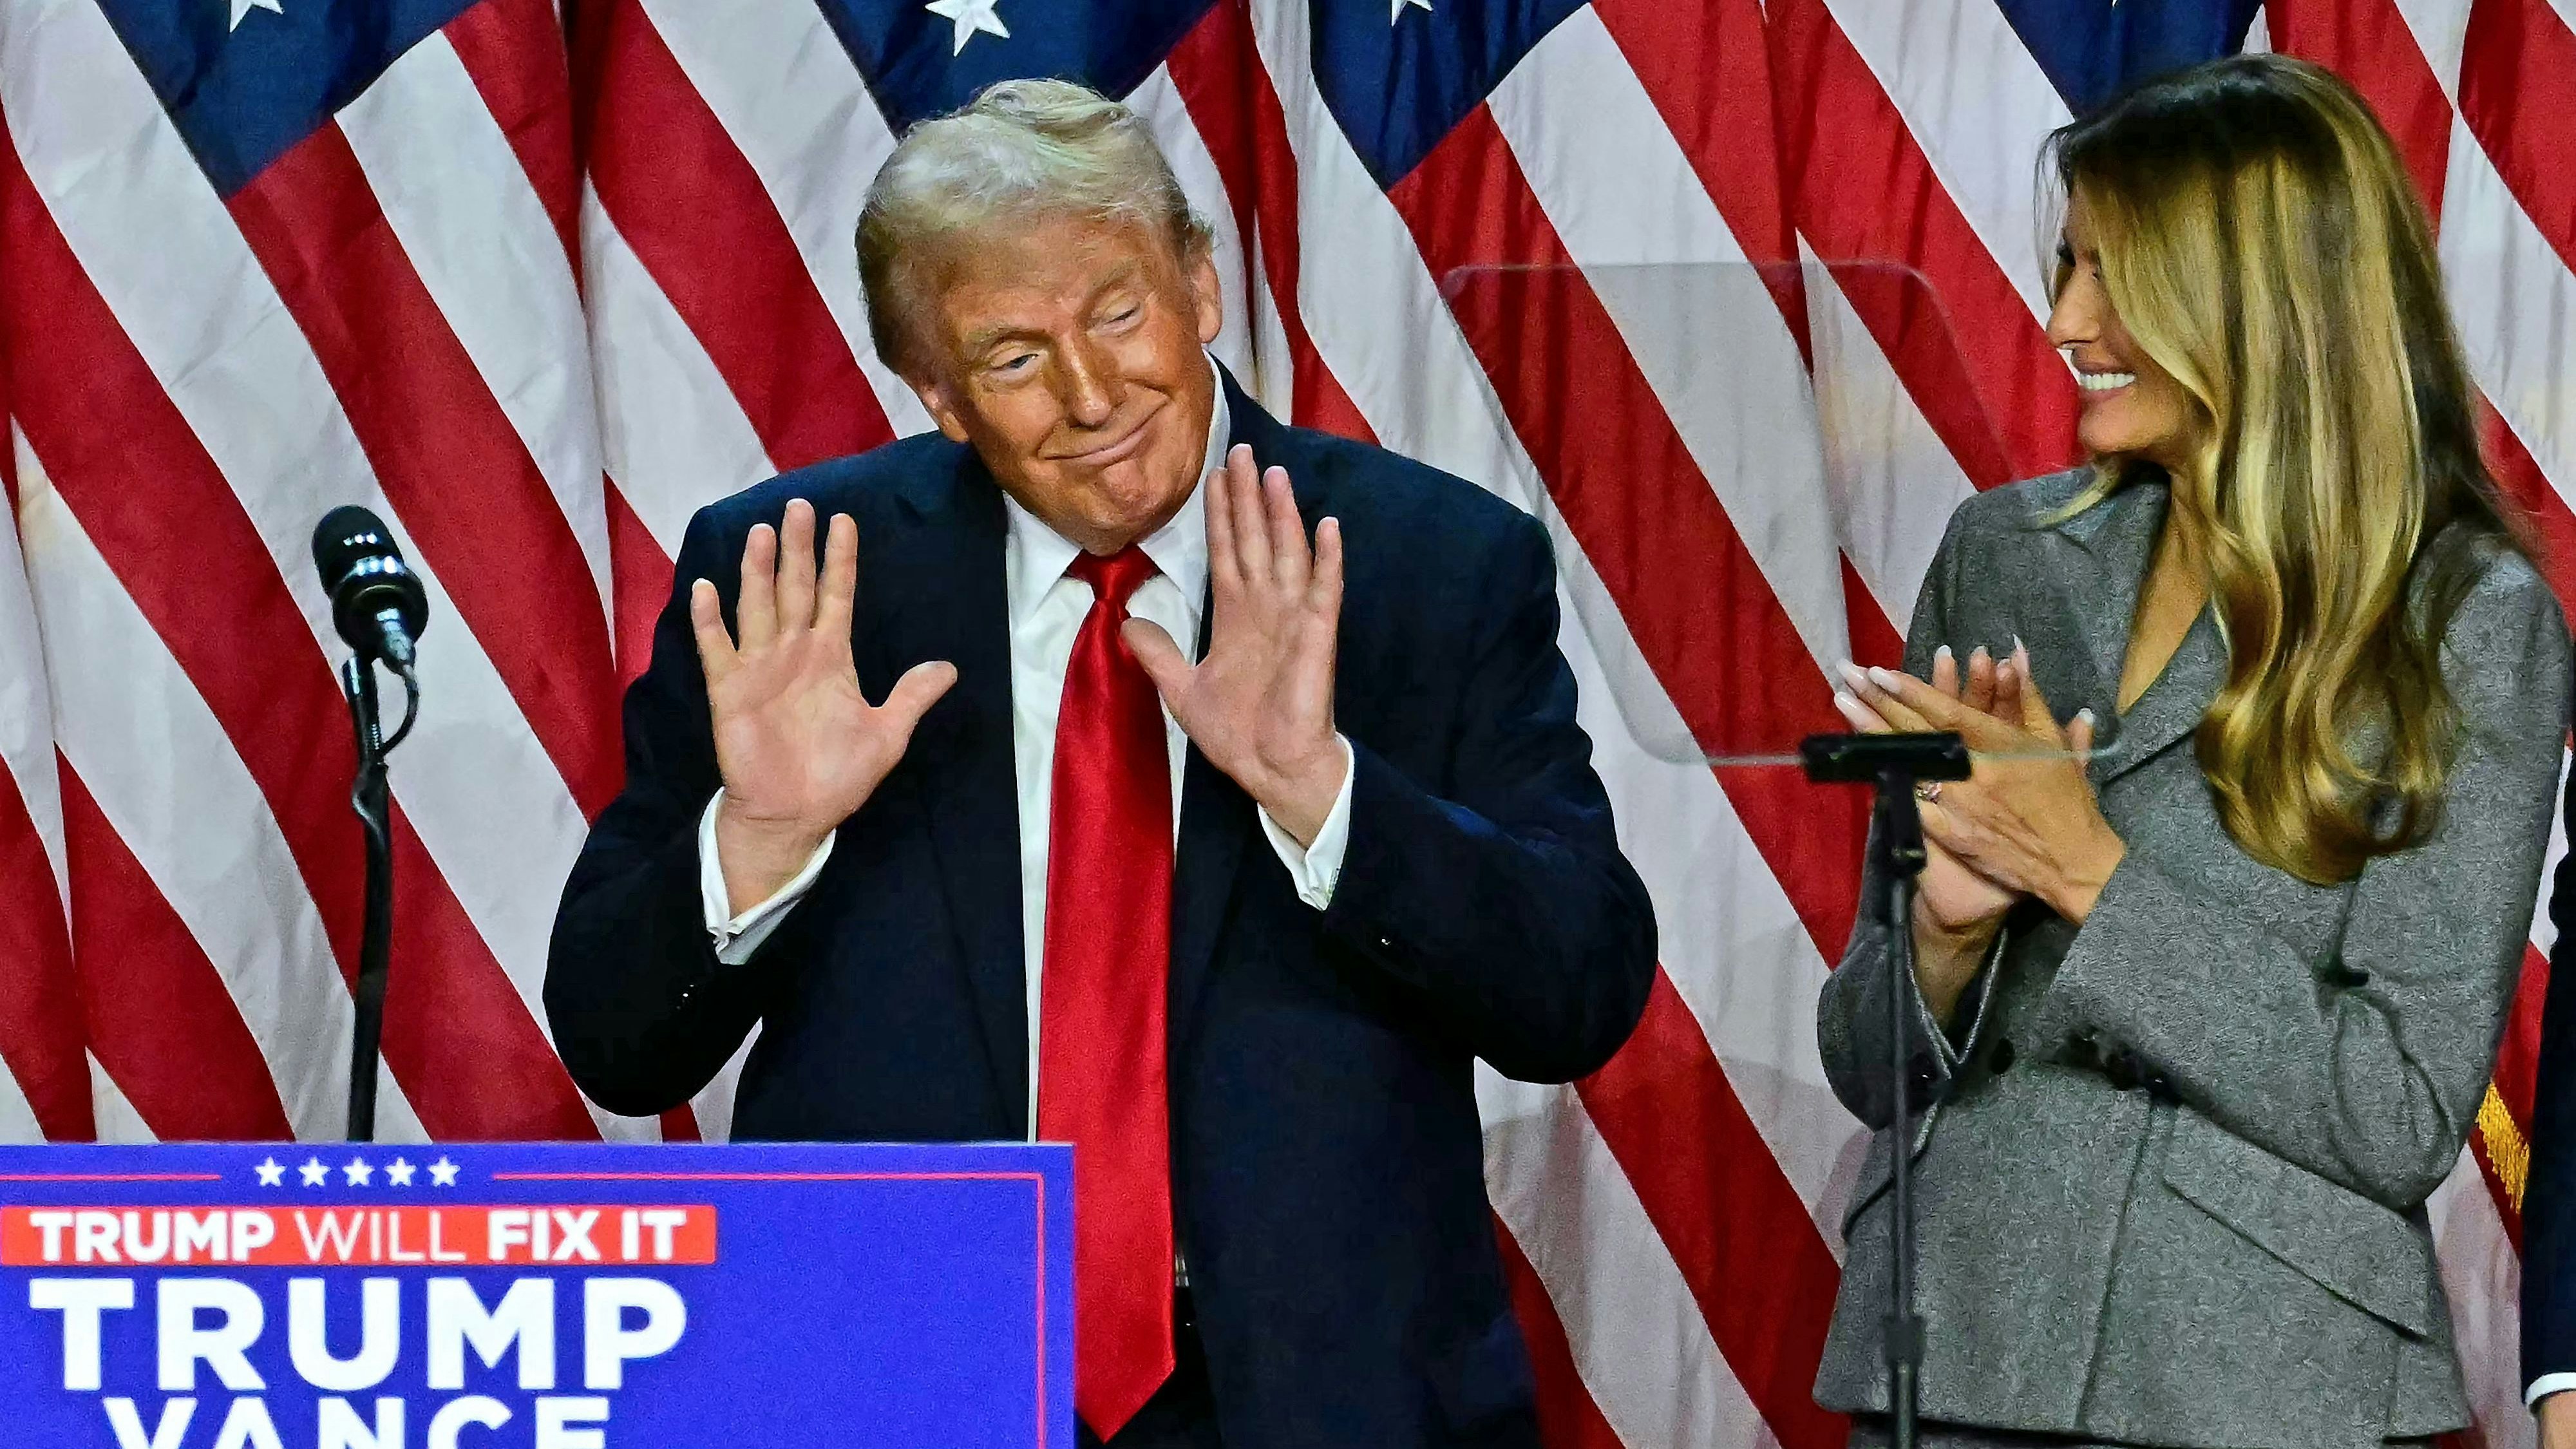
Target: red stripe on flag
1962, 340
2368, 43
2552, 527
2517, 1065
469, 1056
680, 1124
1874, 640
697, 217
40, 1012
1697, 605
639, 582
161, 1020
1568, 1417
451, 464
2516, 53
1228, 91
513, 50
1736, 1228
1706, 69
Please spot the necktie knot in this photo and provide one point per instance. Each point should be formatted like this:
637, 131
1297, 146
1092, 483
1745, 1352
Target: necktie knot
1115, 579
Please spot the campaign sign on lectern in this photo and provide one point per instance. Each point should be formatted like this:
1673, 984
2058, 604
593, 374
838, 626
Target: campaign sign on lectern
276, 1296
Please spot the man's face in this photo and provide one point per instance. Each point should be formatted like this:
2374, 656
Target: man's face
1069, 355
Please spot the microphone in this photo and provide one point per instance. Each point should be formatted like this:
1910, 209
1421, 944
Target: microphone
377, 602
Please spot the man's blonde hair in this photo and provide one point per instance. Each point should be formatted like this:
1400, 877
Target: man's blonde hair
1021, 151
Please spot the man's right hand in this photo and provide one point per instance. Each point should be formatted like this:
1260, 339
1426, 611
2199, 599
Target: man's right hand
799, 747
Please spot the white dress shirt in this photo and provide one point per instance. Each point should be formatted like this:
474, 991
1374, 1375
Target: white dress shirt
1047, 606
2545, 1385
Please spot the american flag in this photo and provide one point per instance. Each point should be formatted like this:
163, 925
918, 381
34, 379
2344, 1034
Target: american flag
536, 285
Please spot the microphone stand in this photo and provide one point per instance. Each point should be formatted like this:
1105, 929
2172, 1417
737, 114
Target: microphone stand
373, 803
1895, 763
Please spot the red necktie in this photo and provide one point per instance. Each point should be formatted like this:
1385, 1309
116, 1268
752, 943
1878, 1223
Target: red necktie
1102, 1001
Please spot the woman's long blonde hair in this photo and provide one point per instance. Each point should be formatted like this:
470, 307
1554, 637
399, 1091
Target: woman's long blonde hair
2260, 241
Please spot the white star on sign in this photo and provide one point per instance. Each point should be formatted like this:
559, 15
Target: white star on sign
1394, 13
271, 1174
314, 1173
442, 1173
359, 1173
242, 8
970, 16
398, 1172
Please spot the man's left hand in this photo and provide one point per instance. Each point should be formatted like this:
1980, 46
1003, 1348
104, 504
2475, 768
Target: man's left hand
1260, 705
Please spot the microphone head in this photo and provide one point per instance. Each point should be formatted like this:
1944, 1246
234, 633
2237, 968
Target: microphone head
346, 535
363, 571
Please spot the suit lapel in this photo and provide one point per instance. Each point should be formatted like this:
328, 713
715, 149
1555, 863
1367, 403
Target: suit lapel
1216, 815
2113, 542
943, 587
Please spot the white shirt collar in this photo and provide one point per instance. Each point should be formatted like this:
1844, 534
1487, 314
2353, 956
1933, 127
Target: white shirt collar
1178, 548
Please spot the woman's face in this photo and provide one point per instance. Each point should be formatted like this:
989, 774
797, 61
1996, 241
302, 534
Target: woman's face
2132, 407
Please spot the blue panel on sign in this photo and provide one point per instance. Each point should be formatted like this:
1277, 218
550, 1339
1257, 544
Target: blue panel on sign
744, 1295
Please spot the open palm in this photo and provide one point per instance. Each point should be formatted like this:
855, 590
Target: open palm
798, 745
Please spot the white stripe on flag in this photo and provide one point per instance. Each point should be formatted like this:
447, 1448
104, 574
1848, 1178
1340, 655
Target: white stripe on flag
1637, 1336
1893, 482
1733, 947
1674, 280
128, 196
1979, 106
1159, 102
2515, 304
674, 436
17, 1114
170, 784
476, 231
26, 700
117, 1119
787, 93
2482, 1276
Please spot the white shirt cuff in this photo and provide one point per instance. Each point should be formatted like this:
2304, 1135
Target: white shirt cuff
2545, 1385
1317, 868
737, 937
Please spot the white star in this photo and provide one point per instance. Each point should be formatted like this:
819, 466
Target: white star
314, 1173
271, 1174
970, 17
442, 1173
242, 8
1394, 12
358, 1172
398, 1172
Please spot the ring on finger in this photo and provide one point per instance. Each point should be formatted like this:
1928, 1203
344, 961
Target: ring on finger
1929, 792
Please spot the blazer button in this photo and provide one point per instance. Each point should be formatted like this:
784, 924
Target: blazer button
2121, 1068
2001, 1060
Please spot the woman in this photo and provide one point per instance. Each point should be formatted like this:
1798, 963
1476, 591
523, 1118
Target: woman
2210, 1013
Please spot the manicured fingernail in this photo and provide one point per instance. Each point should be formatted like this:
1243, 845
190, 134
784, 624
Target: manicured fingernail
2083, 717
1883, 678
1942, 655
2020, 650
1978, 653
1852, 673
1847, 703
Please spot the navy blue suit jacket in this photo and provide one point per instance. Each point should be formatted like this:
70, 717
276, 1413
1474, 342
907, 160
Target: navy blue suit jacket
2549, 1194
1328, 1185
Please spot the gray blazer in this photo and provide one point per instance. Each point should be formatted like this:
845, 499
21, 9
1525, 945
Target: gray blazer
2174, 1190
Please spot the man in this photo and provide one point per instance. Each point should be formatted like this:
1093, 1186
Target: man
1240, 943
2549, 1197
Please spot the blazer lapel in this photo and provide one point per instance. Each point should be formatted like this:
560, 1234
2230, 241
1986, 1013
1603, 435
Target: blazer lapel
942, 584
2171, 707
2114, 541
1216, 815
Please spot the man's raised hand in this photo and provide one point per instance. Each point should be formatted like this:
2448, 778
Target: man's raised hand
1260, 705
799, 747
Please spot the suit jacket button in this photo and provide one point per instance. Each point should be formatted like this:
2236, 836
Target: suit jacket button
2002, 1059
2121, 1067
